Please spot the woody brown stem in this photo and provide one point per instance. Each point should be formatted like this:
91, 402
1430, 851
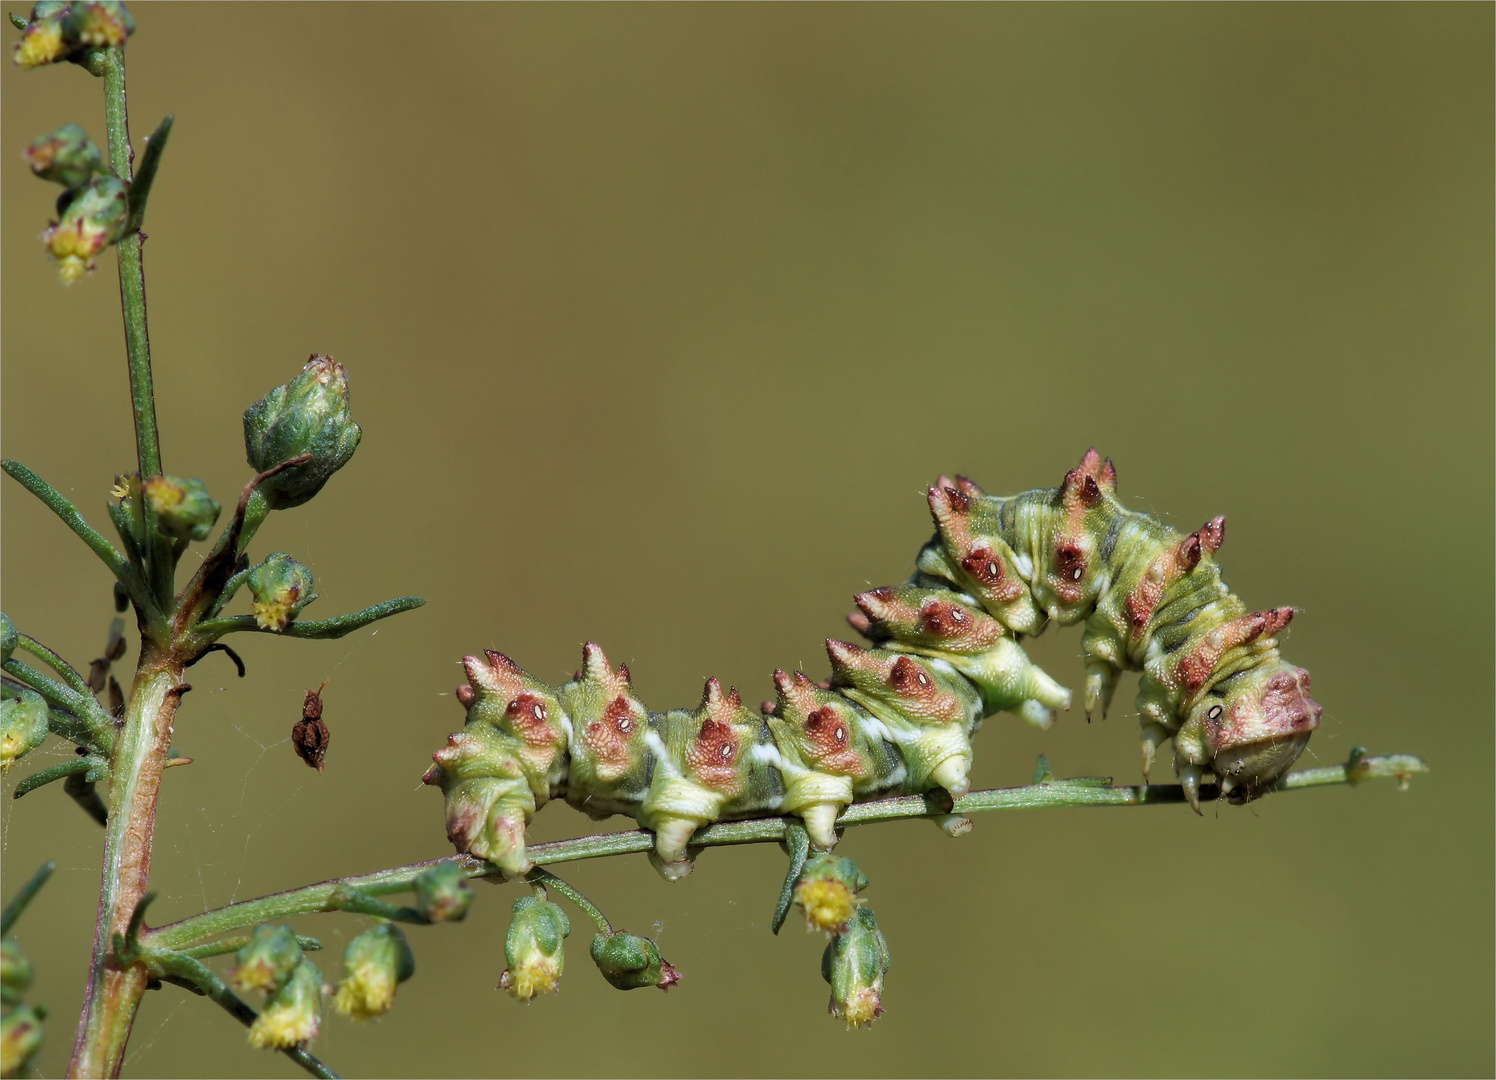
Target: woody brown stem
113, 994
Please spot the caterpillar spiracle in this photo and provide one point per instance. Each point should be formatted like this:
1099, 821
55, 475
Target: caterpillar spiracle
898, 717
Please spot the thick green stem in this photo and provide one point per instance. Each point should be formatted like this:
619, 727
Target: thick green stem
113, 995
1088, 791
137, 336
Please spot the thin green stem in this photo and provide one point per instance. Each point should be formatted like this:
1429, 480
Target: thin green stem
224, 946
539, 876
1096, 791
130, 249
187, 968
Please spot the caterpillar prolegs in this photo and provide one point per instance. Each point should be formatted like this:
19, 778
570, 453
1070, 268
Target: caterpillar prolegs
898, 717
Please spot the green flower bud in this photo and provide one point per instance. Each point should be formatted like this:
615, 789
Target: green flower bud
308, 415
827, 892
21, 1037
67, 156
267, 960
533, 948
91, 222
47, 37
184, 510
854, 964
442, 893
376, 961
281, 587
629, 962
23, 725
8, 638
96, 24
293, 1014
15, 973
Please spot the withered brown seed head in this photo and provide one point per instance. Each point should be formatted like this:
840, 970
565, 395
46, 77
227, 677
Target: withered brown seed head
309, 736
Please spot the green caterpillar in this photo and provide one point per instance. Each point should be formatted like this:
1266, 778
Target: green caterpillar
899, 717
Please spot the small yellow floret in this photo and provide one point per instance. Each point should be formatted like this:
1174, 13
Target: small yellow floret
164, 495
274, 613
827, 904
40, 44
256, 975
365, 994
528, 981
280, 1026
10, 750
862, 1008
101, 29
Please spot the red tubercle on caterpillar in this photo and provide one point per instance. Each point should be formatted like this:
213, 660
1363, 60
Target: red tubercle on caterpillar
988, 571
494, 673
910, 680
830, 737
595, 666
466, 695
1169, 567
528, 716
1071, 560
712, 755
1195, 667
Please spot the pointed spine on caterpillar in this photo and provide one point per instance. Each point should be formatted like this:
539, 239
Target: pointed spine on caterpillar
899, 717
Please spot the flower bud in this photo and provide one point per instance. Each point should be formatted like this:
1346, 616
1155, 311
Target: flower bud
23, 725
46, 37
308, 415
184, 510
267, 960
854, 964
91, 222
827, 892
21, 1037
293, 1014
15, 973
96, 24
281, 587
443, 894
533, 948
628, 962
8, 638
67, 156
376, 961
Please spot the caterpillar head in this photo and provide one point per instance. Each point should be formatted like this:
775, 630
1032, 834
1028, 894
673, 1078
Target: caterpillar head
1256, 725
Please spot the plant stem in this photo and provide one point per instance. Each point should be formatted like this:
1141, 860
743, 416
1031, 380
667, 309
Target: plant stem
548, 880
137, 336
1087, 791
113, 995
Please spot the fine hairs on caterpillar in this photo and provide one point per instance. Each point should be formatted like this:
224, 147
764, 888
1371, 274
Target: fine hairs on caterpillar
898, 718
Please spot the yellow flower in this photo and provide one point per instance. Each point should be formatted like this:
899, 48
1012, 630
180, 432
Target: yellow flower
530, 978
40, 44
827, 902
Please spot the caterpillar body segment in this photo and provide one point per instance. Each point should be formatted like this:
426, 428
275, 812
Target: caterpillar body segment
899, 717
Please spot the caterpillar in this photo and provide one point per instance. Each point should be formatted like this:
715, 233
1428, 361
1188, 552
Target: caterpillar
945, 651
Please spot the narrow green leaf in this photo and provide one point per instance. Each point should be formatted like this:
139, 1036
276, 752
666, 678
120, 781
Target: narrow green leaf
21, 899
320, 630
82, 765
145, 175
59, 505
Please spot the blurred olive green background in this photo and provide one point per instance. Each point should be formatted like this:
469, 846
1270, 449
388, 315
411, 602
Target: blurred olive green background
658, 321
